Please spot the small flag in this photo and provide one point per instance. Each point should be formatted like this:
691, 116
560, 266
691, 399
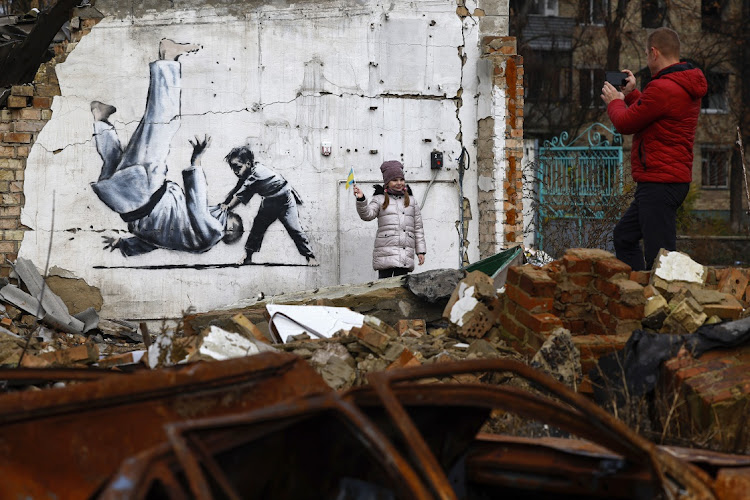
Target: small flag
350, 178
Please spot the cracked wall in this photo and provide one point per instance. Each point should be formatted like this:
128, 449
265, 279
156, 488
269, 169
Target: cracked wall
375, 82
500, 150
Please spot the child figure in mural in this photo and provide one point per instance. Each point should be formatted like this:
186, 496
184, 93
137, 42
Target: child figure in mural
400, 231
133, 182
280, 202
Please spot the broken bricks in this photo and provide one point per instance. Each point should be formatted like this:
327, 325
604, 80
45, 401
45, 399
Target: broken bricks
374, 334
84, 354
474, 306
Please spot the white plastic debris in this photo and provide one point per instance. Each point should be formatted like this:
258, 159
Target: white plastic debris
317, 321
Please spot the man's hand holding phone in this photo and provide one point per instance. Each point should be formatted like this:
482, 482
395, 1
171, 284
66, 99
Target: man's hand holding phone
617, 85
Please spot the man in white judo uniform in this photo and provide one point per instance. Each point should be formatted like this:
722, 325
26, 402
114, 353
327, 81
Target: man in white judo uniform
133, 181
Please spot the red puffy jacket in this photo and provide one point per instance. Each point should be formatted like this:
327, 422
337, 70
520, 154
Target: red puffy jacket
663, 118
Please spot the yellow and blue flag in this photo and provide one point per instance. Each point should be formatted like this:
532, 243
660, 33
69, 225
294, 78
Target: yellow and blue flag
350, 178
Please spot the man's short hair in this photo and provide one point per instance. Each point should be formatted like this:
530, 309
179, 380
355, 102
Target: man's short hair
233, 229
666, 41
241, 154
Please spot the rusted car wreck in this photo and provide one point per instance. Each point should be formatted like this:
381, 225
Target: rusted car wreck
267, 426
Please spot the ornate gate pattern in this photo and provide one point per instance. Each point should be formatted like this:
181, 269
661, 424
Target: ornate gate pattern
578, 178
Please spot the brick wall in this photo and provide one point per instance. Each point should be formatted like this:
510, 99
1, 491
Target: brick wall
500, 150
709, 397
23, 116
601, 301
588, 292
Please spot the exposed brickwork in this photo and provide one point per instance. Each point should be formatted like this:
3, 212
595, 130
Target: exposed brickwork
26, 111
590, 295
713, 396
501, 147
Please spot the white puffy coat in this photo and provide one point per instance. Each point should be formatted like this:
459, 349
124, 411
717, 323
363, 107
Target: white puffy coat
400, 230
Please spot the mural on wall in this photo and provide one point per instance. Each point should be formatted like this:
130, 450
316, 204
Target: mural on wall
280, 202
159, 212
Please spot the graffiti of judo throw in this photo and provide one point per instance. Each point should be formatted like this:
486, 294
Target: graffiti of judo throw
159, 213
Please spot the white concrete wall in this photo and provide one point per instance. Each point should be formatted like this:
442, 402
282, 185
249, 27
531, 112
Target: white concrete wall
377, 81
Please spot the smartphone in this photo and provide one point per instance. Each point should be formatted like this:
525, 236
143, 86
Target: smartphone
616, 78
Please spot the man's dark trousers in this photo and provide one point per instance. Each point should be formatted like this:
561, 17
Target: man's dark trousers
652, 217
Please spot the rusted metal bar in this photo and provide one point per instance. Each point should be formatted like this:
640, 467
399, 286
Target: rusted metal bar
364, 430
34, 375
510, 399
198, 440
87, 429
664, 466
187, 420
426, 461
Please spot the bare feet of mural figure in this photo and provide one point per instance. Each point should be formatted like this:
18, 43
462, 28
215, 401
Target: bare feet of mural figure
169, 50
101, 111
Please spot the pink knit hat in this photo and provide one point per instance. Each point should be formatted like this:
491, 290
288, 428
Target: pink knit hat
391, 169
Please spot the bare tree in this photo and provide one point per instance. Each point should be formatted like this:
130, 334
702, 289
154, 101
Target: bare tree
564, 71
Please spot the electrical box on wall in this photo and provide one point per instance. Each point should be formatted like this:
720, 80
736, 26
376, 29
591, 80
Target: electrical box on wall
436, 160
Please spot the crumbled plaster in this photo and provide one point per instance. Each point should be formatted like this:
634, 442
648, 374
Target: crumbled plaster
75, 293
466, 303
677, 266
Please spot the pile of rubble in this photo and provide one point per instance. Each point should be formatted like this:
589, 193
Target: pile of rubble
37, 330
562, 317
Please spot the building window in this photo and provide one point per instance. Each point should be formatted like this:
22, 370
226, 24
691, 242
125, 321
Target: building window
590, 83
715, 100
547, 75
711, 14
594, 11
545, 7
548, 8
715, 167
653, 13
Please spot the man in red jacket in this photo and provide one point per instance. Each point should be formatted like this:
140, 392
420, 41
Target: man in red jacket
663, 119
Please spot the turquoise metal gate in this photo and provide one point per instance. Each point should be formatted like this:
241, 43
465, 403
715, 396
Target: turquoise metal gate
578, 179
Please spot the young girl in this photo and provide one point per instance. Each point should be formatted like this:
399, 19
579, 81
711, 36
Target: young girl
400, 231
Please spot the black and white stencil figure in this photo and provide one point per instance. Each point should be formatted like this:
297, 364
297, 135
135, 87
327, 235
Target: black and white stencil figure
280, 202
133, 181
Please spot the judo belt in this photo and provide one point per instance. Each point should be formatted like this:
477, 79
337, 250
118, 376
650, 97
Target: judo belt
146, 209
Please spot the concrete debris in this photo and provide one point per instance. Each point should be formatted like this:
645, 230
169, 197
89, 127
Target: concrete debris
335, 364
655, 312
434, 286
559, 318
120, 329
51, 310
218, 344
165, 350
678, 266
559, 358
686, 317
